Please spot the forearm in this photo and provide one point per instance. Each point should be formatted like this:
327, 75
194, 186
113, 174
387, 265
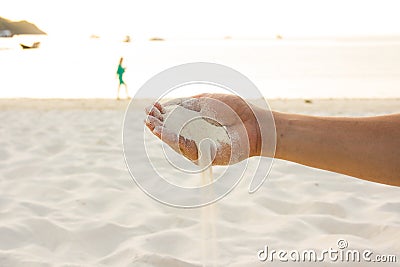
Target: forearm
367, 148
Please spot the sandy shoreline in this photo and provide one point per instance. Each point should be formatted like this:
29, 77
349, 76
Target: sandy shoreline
68, 200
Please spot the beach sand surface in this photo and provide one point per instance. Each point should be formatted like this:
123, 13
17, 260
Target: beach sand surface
67, 198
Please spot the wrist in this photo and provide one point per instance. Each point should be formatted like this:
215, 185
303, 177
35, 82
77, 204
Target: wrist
267, 131
280, 128
291, 133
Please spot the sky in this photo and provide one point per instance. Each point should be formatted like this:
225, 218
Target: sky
188, 19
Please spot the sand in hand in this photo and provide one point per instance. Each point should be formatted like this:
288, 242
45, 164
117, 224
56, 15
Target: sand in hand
192, 125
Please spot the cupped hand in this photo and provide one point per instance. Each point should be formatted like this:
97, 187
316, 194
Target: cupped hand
235, 114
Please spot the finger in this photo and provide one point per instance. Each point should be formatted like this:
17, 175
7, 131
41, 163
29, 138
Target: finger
147, 109
156, 105
184, 146
223, 155
188, 103
175, 101
154, 111
188, 148
159, 107
192, 104
152, 122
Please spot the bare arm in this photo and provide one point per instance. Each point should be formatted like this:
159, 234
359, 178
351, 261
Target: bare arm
367, 148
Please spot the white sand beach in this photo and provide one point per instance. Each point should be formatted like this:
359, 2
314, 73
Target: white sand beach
67, 198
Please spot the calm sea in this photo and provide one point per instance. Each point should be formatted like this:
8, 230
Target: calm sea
280, 68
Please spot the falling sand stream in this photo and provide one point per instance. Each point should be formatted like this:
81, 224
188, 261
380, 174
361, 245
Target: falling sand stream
208, 213
207, 136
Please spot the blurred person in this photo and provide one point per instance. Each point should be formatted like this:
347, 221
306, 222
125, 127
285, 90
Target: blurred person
120, 73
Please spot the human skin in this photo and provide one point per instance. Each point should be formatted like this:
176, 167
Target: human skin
364, 147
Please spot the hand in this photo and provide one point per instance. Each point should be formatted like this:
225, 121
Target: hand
232, 112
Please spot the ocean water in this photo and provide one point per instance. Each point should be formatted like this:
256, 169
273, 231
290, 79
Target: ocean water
86, 68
